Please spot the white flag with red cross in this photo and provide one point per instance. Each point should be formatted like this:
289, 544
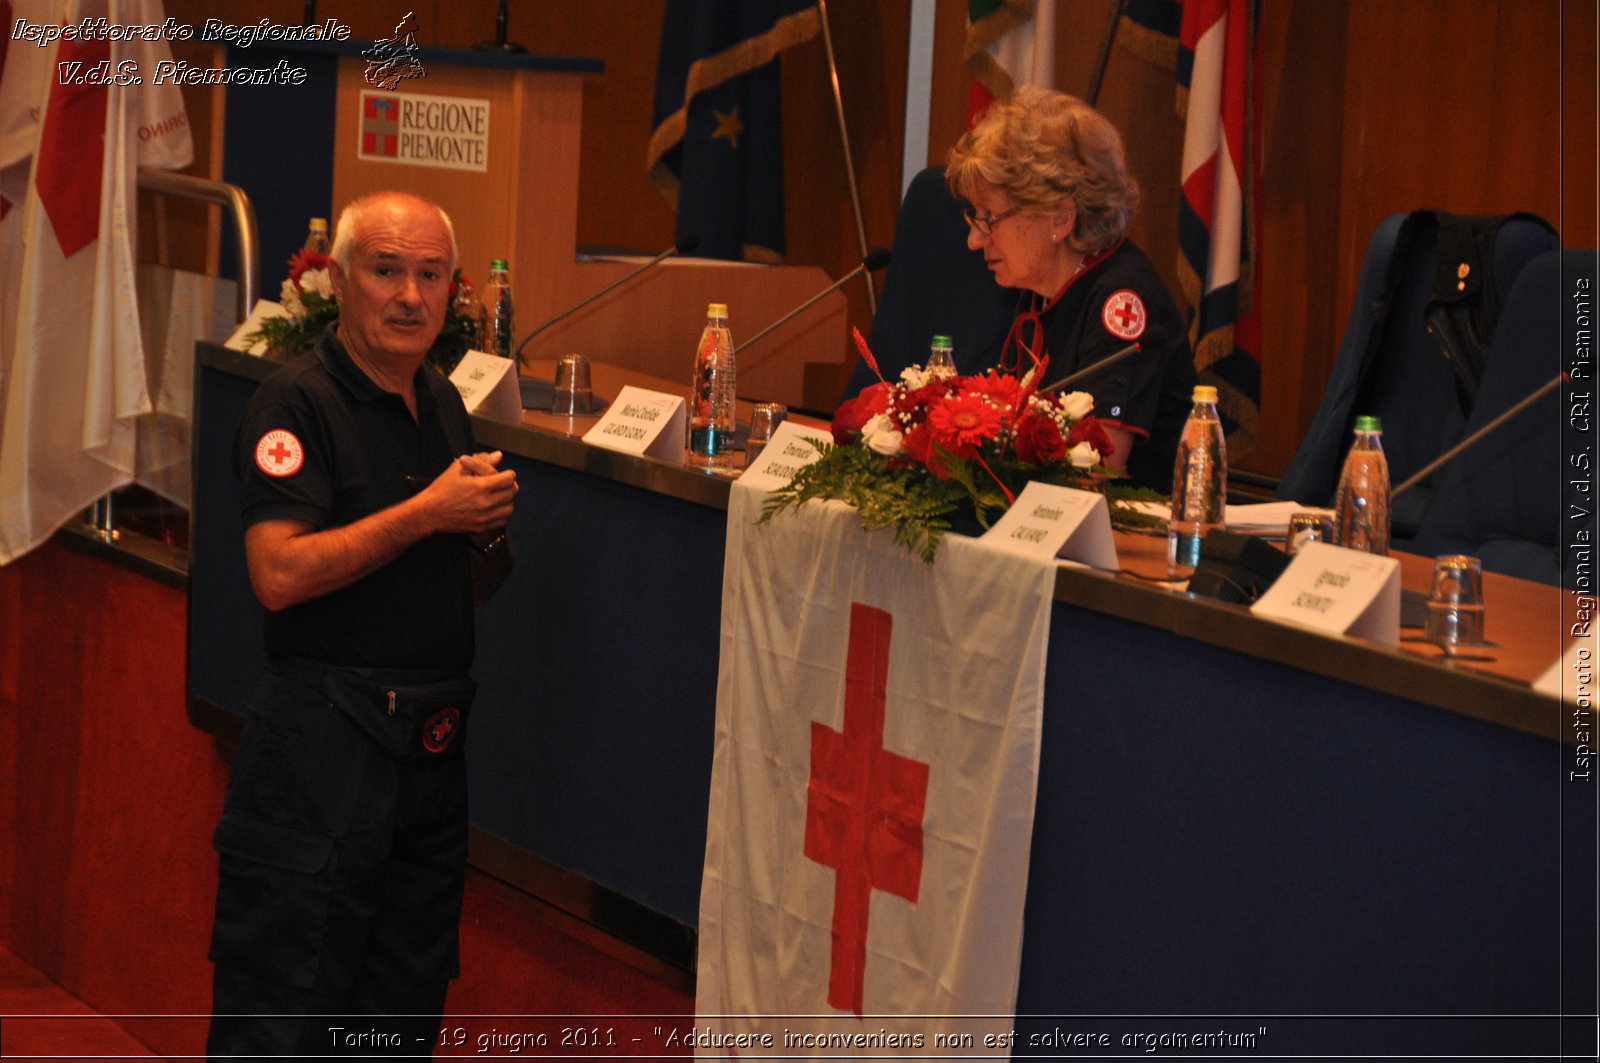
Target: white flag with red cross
877, 751
72, 366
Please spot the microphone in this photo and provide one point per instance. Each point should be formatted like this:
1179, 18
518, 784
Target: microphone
682, 246
1087, 371
875, 260
1475, 438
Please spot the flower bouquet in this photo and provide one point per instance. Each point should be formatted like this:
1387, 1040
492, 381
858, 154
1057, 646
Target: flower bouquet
310, 308
934, 448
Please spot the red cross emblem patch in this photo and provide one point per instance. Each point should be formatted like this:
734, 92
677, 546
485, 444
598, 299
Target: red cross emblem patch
1124, 314
279, 453
440, 730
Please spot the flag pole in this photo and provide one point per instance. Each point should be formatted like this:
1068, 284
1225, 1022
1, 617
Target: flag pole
1105, 52
849, 165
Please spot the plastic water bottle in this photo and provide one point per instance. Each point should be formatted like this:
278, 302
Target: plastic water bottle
1362, 504
942, 358
712, 394
496, 319
1199, 483
317, 236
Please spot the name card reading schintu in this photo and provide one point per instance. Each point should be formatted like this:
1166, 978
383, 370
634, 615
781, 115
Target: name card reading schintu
786, 453
1346, 592
488, 385
1049, 521
643, 422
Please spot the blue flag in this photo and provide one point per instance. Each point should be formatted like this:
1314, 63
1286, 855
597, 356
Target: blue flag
716, 152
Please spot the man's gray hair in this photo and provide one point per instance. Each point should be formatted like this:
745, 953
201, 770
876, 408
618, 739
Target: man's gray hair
353, 218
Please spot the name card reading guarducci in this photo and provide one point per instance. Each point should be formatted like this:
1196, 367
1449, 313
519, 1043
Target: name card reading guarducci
1346, 592
640, 421
1049, 521
488, 386
786, 453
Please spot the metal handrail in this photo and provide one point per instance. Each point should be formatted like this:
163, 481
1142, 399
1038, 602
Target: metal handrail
102, 514
244, 219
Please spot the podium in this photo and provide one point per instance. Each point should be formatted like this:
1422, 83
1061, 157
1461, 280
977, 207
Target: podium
494, 139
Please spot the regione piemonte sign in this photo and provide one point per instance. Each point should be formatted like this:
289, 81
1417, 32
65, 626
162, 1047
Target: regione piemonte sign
448, 132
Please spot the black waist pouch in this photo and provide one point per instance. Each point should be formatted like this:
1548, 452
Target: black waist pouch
411, 714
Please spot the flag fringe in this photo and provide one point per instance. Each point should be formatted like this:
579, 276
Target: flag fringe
713, 70
1148, 44
986, 31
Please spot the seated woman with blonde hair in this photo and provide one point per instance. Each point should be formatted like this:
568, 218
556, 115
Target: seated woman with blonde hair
1050, 199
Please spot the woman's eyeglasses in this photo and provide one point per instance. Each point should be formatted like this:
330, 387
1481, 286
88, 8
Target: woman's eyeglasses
986, 225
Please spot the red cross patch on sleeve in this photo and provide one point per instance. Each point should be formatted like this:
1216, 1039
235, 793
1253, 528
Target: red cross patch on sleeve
279, 453
1124, 315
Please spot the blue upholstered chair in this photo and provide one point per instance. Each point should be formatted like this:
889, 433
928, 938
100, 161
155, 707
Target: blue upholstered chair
1408, 383
1501, 499
935, 284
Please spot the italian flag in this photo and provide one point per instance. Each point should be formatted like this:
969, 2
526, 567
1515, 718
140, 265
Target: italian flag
1009, 43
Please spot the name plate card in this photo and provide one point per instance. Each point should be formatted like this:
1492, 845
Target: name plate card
1049, 521
263, 311
488, 385
1345, 592
639, 421
786, 453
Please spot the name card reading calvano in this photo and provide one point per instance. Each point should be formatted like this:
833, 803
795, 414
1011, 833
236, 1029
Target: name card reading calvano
448, 132
643, 422
1048, 521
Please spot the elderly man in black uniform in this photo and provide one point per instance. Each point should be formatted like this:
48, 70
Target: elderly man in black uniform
372, 526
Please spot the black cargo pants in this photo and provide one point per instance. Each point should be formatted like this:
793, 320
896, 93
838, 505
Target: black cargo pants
340, 887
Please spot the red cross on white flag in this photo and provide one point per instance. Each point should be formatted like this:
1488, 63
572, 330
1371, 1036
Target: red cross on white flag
872, 785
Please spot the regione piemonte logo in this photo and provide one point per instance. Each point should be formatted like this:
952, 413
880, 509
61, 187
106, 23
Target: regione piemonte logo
448, 132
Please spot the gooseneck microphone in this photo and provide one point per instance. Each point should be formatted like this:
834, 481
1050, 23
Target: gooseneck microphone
875, 260
682, 246
1475, 438
1090, 370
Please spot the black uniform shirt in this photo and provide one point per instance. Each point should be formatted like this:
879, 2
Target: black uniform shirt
321, 443
1120, 299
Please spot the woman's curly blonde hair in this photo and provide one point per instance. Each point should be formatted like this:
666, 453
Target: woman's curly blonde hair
1042, 147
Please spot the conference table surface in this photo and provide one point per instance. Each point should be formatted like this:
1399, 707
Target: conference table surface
1524, 621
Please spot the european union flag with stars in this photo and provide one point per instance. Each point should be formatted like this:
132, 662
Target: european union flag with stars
716, 152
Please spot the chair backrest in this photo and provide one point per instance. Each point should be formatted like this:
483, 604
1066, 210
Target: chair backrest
1501, 499
1403, 379
935, 284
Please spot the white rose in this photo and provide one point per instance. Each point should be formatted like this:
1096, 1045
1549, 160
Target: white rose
317, 280
289, 296
1077, 404
880, 436
885, 443
1083, 456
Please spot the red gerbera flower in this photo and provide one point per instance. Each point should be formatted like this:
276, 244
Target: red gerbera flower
963, 421
302, 260
1002, 387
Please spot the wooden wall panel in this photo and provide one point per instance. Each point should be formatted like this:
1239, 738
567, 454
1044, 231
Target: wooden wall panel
1369, 107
